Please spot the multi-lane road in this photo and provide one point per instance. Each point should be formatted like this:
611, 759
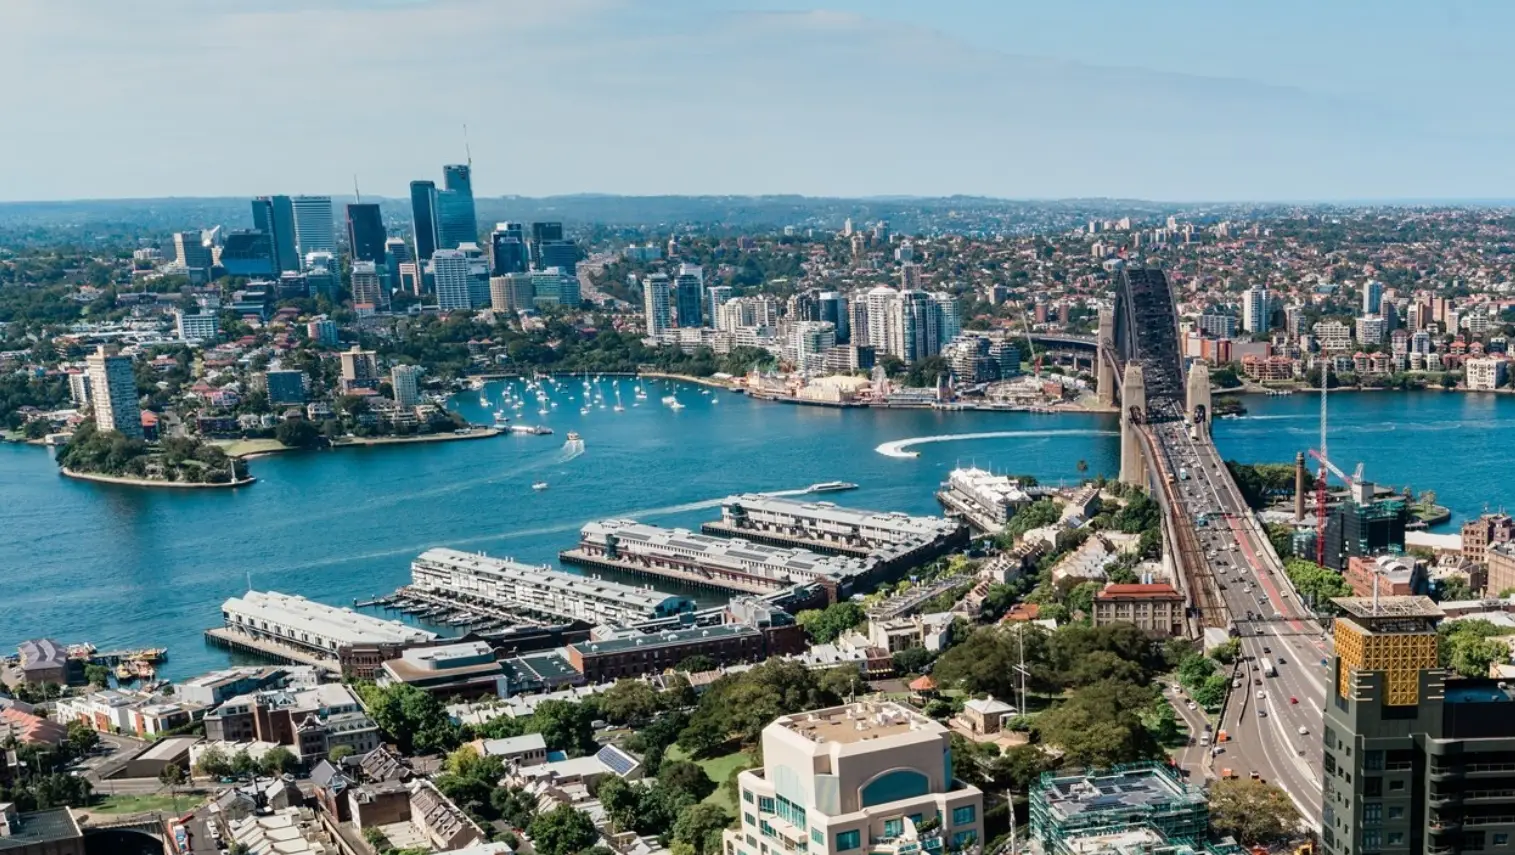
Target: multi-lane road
1272, 722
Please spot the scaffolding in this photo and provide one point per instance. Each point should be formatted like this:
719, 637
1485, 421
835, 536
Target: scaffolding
1132, 796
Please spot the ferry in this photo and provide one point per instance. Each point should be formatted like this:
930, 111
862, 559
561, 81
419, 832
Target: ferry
539, 430
540, 485
831, 487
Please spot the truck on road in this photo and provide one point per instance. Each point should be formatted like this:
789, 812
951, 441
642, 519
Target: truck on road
1268, 669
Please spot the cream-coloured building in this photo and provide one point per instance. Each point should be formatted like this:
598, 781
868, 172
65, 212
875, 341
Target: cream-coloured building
867, 777
1156, 608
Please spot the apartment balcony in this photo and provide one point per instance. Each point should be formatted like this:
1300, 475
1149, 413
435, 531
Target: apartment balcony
1444, 797
1447, 772
926, 841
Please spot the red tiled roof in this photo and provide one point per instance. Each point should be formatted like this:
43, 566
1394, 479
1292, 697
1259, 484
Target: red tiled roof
923, 684
1139, 592
30, 728
1023, 611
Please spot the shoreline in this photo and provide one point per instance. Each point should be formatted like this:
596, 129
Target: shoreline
127, 481
354, 442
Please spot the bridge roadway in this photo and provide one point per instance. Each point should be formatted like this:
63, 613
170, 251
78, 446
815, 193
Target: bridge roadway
1277, 736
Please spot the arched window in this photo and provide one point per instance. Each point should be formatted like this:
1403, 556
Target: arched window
894, 785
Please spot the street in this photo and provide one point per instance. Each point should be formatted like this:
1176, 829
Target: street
1276, 735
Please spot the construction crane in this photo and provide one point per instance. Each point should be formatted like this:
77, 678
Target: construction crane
1325, 466
1036, 361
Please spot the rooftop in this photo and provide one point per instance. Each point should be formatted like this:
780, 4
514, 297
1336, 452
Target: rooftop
924, 528
857, 722
1388, 607
37, 829
1478, 692
1138, 788
570, 584
648, 641
1136, 591
307, 617
721, 551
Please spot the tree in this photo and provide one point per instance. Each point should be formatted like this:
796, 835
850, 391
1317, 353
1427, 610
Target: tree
338, 754
700, 826
278, 760
564, 726
297, 433
697, 663
82, 738
562, 831
621, 800
518, 807
912, 660
1020, 767
1254, 812
213, 763
1212, 691
242, 764
683, 776
826, 625
1317, 584
415, 720
172, 776
629, 701
1227, 651
97, 675
1100, 725
1453, 588
1194, 669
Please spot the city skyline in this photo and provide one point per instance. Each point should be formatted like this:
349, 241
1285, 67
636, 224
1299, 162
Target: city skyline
847, 99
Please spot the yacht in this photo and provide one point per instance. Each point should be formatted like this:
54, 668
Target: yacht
670, 400
675, 406
573, 436
500, 419
540, 485
831, 487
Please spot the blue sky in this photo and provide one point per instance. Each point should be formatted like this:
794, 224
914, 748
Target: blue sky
1178, 99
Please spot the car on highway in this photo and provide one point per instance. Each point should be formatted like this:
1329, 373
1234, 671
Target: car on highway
1267, 649
1304, 731
1261, 695
1262, 713
1293, 700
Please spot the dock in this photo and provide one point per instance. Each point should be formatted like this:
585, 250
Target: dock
230, 639
965, 511
823, 547
692, 577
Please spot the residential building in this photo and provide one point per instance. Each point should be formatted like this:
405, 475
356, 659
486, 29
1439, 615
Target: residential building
449, 270
275, 216
423, 218
1391, 575
28, 728
218, 687
1216, 324
322, 629
511, 292
78, 388
1256, 306
196, 327
369, 287
1154, 608
688, 292
1332, 335
1372, 296
457, 223
869, 776
1412, 758
365, 232
1370, 330
1500, 558
406, 381
528, 749
113, 391
285, 386
911, 326
314, 228
786, 521
360, 370
631, 653
1485, 373
322, 331
949, 317
656, 303
986, 499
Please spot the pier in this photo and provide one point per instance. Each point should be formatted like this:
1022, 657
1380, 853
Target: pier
230, 639
686, 573
721, 528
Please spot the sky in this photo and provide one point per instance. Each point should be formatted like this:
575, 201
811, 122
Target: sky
1288, 100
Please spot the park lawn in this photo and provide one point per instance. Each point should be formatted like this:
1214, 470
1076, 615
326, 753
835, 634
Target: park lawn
718, 769
241, 447
154, 803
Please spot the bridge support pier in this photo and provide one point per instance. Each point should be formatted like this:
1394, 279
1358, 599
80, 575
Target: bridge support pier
1133, 412
1199, 396
1104, 371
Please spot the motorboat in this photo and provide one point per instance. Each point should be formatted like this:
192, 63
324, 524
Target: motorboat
540, 485
831, 487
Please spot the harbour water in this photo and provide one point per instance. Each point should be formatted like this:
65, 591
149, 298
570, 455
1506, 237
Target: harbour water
124, 567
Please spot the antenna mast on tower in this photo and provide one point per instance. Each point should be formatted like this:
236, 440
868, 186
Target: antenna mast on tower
357, 197
467, 152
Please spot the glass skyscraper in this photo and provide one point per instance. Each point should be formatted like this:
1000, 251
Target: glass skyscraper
365, 232
423, 216
456, 221
275, 217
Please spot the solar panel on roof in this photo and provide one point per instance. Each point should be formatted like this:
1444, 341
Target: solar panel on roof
615, 760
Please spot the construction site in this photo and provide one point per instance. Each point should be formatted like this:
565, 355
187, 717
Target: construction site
1134, 802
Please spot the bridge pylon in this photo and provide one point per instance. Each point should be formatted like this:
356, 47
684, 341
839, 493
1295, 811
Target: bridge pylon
1104, 371
1199, 396
1133, 413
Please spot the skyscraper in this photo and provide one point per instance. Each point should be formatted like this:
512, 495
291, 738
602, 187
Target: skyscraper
540, 234
1254, 315
449, 270
396, 253
368, 286
275, 217
688, 293
193, 256
507, 249
834, 310
365, 232
913, 326
457, 223
113, 390
406, 381
423, 217
1372, 296
563, 254
655, 302
314, 230
949, 322
248, 252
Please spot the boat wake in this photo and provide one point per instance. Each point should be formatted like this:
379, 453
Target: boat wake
901, 447
570, 451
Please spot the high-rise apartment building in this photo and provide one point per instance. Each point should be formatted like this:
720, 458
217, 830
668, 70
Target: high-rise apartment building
314, 230
449, 272
511, 292
423, 217
365, 232
1255, 309
322, 331
872, 776
1370, 330
113, 392
1414, 762
688, 295
406, 381
1372, 296
275, 217
949, 318
360, 369
457, 222
655, 303
368, 286
507, 249
833, 310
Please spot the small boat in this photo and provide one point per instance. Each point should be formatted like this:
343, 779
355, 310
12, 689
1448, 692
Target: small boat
483, 401
830, 487
542, 411
583, 411
670, 400
618, 408
573, 436
675, 406
540, 485
500, 420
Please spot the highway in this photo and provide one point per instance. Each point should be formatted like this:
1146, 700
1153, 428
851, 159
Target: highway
1275, 735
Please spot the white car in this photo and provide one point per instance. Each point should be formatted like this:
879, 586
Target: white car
1304, 731
1191, 705
1261, 695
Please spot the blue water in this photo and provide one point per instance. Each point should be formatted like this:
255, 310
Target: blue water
129, 567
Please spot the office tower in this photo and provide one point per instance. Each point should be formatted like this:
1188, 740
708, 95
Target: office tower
507, 249
322, 331
406, 381
540, 234
365, 232
423, 217
368, 287
360, 369
688, 294
275, 217
478, 278
396, 253
456, 221
193, 256
553, 287
322, 275
1254, 316
949, 321
1363, 525
560, 253
1372, 296
449, 271
655, 303
833, 308
1414, 762
846, 778
314, 231
248, 253
113, 390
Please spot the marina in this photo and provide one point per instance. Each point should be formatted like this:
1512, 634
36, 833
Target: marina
885, 539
